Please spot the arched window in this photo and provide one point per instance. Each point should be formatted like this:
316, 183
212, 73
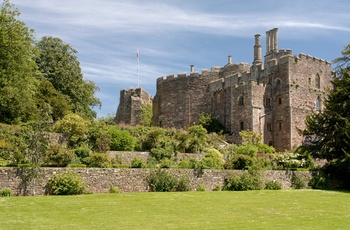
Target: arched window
318, 81
318, 104
241, 100
241, 124
278, 83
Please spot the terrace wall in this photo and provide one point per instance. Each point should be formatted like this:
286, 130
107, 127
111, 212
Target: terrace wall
99, 180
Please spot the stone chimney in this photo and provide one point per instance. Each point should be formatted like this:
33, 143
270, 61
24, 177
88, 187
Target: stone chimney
272, 41
192, 68
229, 59
257, 50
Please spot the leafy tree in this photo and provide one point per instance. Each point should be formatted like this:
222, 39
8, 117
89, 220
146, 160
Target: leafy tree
328, 132
212, 160
74, 126
121, 140
17, 68
198, 139
146, 115
59, 64
210, 123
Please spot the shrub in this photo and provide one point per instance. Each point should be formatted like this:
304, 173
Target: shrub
5, 192
264, 148
252, 180
59, 156
242, 161
217, 188
160, 153
273, 185
3, 162
166, 163
183, 185
201, 188
161, 181
212, 160
121, 140
66, 184
98, 160
320, 181
183, 164
137, 163
249, 150
82, 151
114, 189
298, 182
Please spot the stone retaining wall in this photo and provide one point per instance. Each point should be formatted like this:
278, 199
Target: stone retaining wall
99, 180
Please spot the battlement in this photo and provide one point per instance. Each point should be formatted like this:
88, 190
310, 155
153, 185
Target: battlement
307, 57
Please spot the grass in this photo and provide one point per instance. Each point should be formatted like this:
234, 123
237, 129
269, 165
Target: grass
265, 209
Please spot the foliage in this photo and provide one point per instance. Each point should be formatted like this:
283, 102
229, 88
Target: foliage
66, 184
166, 163
201, 188
59, 64
161, 153
137, 163
74, 126
251, 180
239, 161
212, 160
273, 185
249, 150
161, 181
59, 156
5, 192
290, 160
98, 160
146, 114
98, 136
250, 137
18, 83
320, 181
217, 188
82, 151
210, 123
183, 185
198, 139
298, 182
121, 140
114, 189
76, 166
184, 164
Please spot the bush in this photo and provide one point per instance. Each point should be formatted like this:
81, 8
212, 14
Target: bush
166, 163
217, 188
59, 156
161, 181
320, 181
82, 151
183, 164
249, 150
252, 180
201, 188
298, 182
212, 160
273, 185
5, 192
114, 189
98, 160
66, 184
121, 140
183, 185
160, 153
137, 163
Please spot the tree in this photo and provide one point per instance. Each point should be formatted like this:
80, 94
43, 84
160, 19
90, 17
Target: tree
59, 64
17, 68
327, 133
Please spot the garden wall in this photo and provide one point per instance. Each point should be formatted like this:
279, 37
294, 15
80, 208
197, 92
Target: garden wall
99, 180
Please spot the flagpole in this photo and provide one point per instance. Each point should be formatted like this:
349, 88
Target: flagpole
138, 62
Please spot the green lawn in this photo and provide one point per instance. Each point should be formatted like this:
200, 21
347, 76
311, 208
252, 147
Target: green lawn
265, 209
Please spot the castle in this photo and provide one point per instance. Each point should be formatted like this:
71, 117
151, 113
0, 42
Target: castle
272, 96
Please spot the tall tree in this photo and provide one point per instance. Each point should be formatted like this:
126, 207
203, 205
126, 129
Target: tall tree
328, 132
17, 67
59, 64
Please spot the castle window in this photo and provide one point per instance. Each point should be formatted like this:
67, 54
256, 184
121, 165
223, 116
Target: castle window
241, 125
309, 80
270, 143
318, 81
268, 102
279, 100
318, 104
279, 125
241, 101
278, 83
269, 127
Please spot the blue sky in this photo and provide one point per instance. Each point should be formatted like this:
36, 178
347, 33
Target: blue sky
172, 35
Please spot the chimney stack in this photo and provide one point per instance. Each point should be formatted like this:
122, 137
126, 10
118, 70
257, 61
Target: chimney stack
229, 59
192, 68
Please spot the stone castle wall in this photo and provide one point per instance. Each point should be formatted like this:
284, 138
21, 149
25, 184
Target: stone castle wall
99, 180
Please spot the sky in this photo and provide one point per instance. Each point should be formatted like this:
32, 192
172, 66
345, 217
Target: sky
174, 34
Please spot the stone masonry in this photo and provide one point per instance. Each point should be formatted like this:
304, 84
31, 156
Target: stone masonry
130, 106
272, 96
